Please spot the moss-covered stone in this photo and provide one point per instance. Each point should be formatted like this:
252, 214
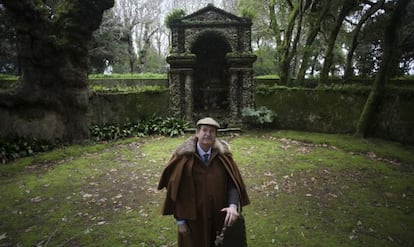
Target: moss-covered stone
127, 107
337, 111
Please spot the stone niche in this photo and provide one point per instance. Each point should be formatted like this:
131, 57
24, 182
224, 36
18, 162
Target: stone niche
211, 66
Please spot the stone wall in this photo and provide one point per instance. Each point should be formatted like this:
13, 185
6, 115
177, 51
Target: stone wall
327, 111
314, 110
338, 111
38, 123
120, 108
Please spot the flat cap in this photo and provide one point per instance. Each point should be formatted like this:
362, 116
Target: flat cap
208, 121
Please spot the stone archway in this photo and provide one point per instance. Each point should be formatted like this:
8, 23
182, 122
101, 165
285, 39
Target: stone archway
211, 87
211, 66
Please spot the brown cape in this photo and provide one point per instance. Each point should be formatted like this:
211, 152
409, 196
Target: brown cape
176, 177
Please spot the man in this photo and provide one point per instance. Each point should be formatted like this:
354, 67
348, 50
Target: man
204, 187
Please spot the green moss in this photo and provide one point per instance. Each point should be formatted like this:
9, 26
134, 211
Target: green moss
273, 77
128, 76
5, 77
305, 190
349, 143
48, 158
129, 89
174, 16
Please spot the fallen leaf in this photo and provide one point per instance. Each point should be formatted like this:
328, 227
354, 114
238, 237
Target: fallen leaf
333, 195
87, 195
36, 199
118, 196
389, 195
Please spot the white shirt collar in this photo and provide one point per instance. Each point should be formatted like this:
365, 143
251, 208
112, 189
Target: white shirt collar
201, 151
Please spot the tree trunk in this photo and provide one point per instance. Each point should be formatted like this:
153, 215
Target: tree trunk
142, 58
291, 66
131, 52
276, 31
347, 6
354, 43
285, 48
309, 41
52, 101
377, 92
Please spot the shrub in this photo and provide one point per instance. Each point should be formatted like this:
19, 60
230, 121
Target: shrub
274, 77
170, 126
258, 117
127, 76
248, 13
128, 89
13, 148
173, 16
7, 77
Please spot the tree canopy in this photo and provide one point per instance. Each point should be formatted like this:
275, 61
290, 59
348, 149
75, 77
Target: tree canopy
295, 39
54, 44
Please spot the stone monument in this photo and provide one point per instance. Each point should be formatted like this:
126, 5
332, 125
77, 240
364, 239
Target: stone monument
211, 66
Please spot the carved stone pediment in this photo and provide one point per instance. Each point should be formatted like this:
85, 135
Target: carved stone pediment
212, 14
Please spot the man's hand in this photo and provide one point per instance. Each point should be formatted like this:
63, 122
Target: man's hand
183, 228
231, 215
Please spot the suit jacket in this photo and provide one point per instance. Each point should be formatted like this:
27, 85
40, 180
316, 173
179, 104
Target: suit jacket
177, 178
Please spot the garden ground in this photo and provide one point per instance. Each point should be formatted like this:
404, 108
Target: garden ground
306, 189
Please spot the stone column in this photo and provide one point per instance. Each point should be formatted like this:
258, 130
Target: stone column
234, 94
248, 88
181, 84
188, 95
175, 94
248, 39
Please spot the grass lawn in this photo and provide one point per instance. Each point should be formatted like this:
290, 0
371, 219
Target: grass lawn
306, 189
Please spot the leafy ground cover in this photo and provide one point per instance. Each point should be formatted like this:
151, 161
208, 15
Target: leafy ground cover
128, 76
306, 189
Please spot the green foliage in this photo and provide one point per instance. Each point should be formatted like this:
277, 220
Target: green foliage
13, 148
406, 77
266, 89
266, 62
107, 46
156, 63
113, 131
248, 12
169, 126
348, 143
267, 77
97, 87
258, 117
8, 77
173, 16
8, 45
128, 76
129, 89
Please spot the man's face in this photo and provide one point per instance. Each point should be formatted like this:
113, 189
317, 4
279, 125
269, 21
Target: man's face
206, 136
